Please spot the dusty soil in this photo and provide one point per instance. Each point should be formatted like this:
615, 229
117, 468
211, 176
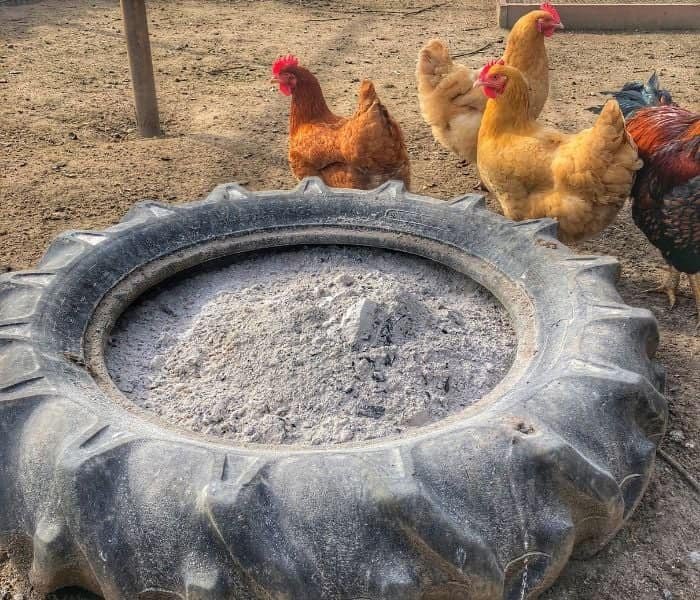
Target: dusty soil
313, 346
70, 158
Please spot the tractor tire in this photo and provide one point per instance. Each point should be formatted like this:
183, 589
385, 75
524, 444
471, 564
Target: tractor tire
487, 504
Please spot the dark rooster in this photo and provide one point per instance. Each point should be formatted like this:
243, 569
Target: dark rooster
636, 95
666, 194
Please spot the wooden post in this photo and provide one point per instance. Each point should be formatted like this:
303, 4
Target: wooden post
141, 66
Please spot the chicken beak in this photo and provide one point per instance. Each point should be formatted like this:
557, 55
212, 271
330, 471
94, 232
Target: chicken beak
559, 26
479, 83
274, 80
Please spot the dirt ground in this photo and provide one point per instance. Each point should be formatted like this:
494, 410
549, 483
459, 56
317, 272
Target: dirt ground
70, 159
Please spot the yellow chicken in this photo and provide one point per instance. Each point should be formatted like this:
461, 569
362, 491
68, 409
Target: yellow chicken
453, 106
581, 180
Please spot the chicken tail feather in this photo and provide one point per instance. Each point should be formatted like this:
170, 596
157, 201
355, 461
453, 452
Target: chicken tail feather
611, 120
602, 159
433, 62
367, 96
636, 95
368, 100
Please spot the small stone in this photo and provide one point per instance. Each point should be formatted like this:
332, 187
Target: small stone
694, 557
358, 323
379, 376
214, 430
676, 435
417, 419
345, 436
372, 411
345, 279
212, 419
363, 369
667, 595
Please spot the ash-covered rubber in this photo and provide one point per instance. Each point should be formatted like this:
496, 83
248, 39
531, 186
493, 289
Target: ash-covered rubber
488, 505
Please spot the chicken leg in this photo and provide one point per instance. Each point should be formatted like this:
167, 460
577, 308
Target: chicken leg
695, 286
669, 286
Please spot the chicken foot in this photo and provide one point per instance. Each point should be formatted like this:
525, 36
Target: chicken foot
669, 286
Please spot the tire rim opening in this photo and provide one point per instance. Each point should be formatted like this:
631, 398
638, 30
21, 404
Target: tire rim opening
311, 346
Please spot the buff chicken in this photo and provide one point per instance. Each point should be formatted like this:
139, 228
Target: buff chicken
453, 105
581, 180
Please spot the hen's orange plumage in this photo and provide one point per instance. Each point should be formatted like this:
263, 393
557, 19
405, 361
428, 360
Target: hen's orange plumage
581, 180
361, 151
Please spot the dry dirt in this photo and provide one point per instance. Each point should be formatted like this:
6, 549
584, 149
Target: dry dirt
70, 158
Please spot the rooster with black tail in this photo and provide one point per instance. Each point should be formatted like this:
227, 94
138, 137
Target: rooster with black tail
635, 95
666, 194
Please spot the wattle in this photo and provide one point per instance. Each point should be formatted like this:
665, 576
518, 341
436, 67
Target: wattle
285, 89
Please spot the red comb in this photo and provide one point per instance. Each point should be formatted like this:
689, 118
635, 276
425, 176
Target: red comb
283, 62
484, 71
546, 6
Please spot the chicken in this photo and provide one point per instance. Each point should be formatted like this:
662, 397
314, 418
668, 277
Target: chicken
581, 180
666, 194
453, 106
636, 95
361, 151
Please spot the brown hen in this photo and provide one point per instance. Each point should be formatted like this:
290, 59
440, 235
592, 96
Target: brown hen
361, 151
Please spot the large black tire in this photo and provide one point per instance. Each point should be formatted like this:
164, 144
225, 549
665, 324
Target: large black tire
488, 504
